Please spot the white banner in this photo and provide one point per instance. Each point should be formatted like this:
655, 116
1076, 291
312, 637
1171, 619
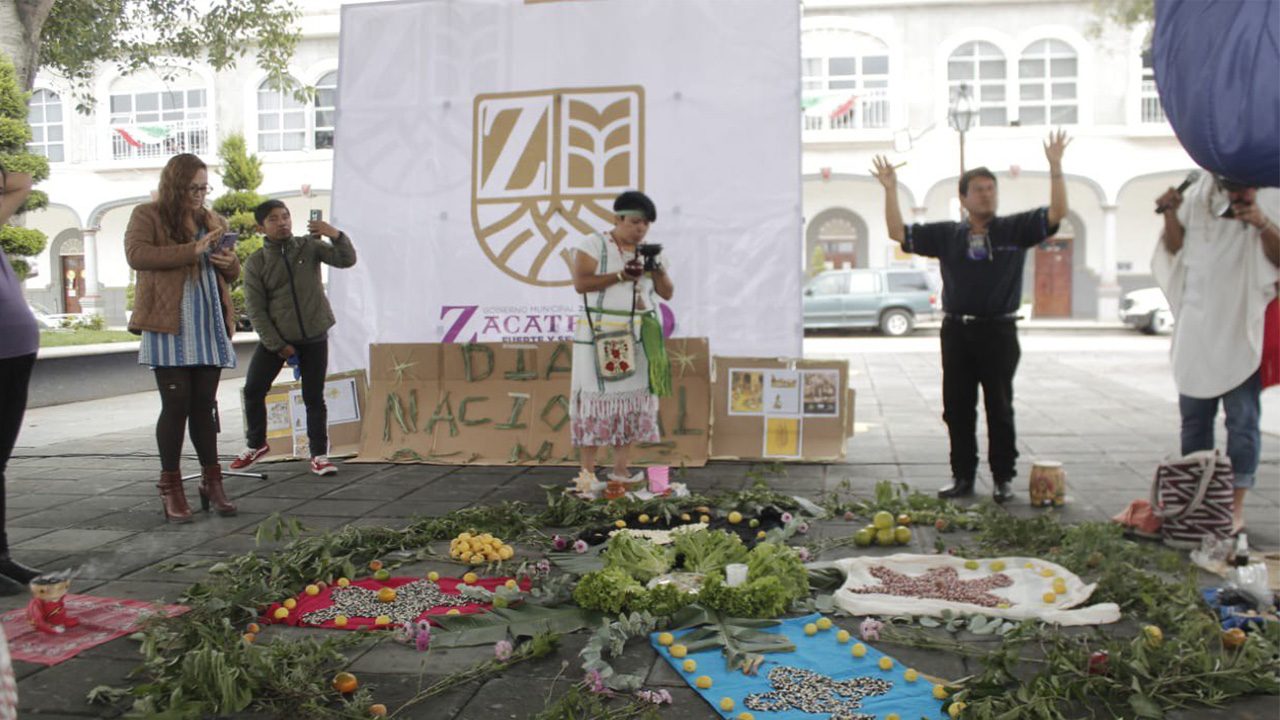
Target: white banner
478, 141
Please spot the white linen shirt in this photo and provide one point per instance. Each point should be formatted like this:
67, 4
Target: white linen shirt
1218, 286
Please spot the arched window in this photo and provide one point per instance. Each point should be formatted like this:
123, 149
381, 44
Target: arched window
282, 120
326, 99
1047, 80
845, 80
981, 66
838, 238
44, 115
157, 115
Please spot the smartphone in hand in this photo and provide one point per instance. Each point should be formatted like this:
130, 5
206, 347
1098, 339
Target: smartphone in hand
317, 215
228, 242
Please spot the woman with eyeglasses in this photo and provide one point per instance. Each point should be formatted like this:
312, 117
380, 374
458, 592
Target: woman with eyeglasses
183, 311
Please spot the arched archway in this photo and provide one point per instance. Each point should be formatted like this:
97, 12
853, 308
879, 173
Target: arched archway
842, 235
1056, 278
66, 260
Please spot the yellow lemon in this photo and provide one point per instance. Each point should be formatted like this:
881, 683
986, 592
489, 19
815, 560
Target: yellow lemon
735, 517
823, 624
911, 676
703, 518
453, 611
510, 584
902, 534
971, 564
955, 709
810, 629
1050, 597
690, 665
726, 704
893, 716
685, 517
859, 650
1060, 586
886, 663
313, 589
386, 595
433, 576
1030, 566
470, 578
290, 603
679, 651
340, 621
761, 534
998, 565
620, 524
465, 556
464, 536
1046, 573
665, 639
746, 716
939, 692
492, 557
506, 552
882, 520
643, 518
843, 636
477, 559
382, 620
281, 613
703, 682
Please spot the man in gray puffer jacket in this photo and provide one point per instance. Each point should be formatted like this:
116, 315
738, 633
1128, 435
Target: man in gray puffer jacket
291, 314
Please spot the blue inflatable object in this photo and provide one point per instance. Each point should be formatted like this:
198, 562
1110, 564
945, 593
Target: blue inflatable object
1216, 67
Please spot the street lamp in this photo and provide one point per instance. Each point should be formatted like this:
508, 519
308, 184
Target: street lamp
961, 116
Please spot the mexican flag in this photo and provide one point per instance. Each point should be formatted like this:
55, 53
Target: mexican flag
140, 135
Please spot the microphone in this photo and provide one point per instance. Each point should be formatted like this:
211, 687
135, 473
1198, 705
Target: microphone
1186, 183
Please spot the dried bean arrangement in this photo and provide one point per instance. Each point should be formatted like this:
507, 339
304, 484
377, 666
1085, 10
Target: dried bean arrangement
938, 584
810, 692
412, 599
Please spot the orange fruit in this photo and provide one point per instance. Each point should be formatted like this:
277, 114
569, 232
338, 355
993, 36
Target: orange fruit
387, 595
340, 621
249, 637
1233, 638
375, 565
254, 628
378, 710
345, 683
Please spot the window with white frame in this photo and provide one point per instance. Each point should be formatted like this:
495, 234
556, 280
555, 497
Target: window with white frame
1048, 74
44, 115
146, 122
981, 66
1152, 111
282, 119
326, 99
845, 80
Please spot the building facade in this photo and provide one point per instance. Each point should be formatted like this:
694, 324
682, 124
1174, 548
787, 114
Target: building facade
879, 77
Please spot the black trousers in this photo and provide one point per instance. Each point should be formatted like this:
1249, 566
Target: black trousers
15, 375
313, 359
982, 354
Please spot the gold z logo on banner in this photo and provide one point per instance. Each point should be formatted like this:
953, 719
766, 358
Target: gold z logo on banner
546, 167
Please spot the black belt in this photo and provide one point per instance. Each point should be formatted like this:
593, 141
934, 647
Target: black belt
976, 319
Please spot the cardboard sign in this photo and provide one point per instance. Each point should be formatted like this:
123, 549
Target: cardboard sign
770, 409
508, 403
345, 395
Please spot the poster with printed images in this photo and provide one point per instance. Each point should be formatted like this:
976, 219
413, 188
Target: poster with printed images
746, 392
782, 437
298, 413
782, 392
342, 400
345, 395
279, 422
821, 393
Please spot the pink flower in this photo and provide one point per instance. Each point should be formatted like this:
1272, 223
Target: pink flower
559, 543
804, 528
870, 629
594, 682
502, 651
654, 697
423, 640
665, 696
848, 515
803, 553
580, 546
786, 518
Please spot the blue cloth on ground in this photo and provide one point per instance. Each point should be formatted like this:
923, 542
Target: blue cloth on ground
1231, 616
821, 654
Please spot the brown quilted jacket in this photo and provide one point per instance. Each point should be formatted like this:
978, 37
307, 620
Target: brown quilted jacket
163, 266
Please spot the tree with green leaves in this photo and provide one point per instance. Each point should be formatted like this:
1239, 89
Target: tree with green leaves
15, 133
74, 38
817, 260
242, 174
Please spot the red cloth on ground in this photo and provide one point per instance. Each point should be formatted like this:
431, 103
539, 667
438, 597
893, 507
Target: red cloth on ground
448, 586
1271, 345
101, 620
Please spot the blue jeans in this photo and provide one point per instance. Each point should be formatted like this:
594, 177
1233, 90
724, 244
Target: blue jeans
1242, 406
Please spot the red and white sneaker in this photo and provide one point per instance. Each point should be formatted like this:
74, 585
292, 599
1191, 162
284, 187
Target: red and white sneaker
320, 465
249, 456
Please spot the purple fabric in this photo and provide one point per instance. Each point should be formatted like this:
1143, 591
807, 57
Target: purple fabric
19, 334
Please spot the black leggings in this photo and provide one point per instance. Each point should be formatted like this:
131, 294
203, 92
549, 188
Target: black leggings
187, 392
15, 374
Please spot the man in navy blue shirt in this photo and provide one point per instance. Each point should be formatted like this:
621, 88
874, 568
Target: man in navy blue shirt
981, 259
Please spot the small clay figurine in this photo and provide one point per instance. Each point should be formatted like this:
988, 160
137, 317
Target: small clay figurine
46, 610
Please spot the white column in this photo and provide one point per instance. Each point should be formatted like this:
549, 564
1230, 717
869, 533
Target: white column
1108, 288
92, 300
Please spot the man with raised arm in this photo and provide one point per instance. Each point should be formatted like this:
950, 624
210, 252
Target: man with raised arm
981, 259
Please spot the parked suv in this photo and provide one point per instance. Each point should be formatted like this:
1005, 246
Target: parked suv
892, 300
